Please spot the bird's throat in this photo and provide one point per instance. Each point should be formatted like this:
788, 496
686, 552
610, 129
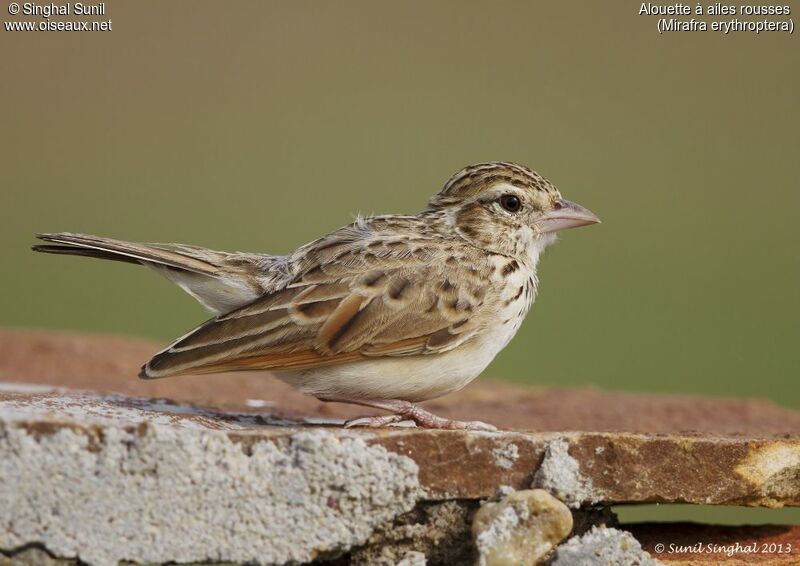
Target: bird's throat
537, 246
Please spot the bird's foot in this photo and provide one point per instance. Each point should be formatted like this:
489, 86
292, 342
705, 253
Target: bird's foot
426, 419
405, 411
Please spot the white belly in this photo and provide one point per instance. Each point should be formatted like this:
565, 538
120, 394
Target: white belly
410, 378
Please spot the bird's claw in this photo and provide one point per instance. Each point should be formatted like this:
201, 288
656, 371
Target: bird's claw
373, 422
474, 425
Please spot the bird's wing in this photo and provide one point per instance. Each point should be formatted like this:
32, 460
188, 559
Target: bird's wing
348, 306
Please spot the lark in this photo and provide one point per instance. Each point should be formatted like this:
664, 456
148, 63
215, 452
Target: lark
385, 312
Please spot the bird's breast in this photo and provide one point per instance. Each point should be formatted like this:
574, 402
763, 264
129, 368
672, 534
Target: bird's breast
515, 293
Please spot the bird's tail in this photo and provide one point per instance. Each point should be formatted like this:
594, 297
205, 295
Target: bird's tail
221, 281
131, 252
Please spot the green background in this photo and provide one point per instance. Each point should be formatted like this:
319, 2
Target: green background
258, 126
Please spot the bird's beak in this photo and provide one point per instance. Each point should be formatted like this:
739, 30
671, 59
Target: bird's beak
565, 214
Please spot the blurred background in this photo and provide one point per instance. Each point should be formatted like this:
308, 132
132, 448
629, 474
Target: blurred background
258, 126
261, 126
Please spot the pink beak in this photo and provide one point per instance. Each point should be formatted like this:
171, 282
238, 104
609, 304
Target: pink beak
565, 214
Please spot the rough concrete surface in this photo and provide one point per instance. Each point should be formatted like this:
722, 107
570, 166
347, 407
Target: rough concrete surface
560, 474
158, 493
603, 468
242, 487
241, 468
602, 546
521, 529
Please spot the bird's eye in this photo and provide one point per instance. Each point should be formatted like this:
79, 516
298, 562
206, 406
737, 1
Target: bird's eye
511, 203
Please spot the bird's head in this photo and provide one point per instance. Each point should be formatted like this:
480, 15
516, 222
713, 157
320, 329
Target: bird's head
507, 208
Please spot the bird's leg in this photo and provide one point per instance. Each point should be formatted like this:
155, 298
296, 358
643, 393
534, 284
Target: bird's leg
406, 411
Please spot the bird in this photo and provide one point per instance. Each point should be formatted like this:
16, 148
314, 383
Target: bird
386, 312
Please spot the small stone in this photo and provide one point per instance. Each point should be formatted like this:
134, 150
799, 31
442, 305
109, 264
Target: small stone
33, 556
602, 546
413, 559
521, 529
